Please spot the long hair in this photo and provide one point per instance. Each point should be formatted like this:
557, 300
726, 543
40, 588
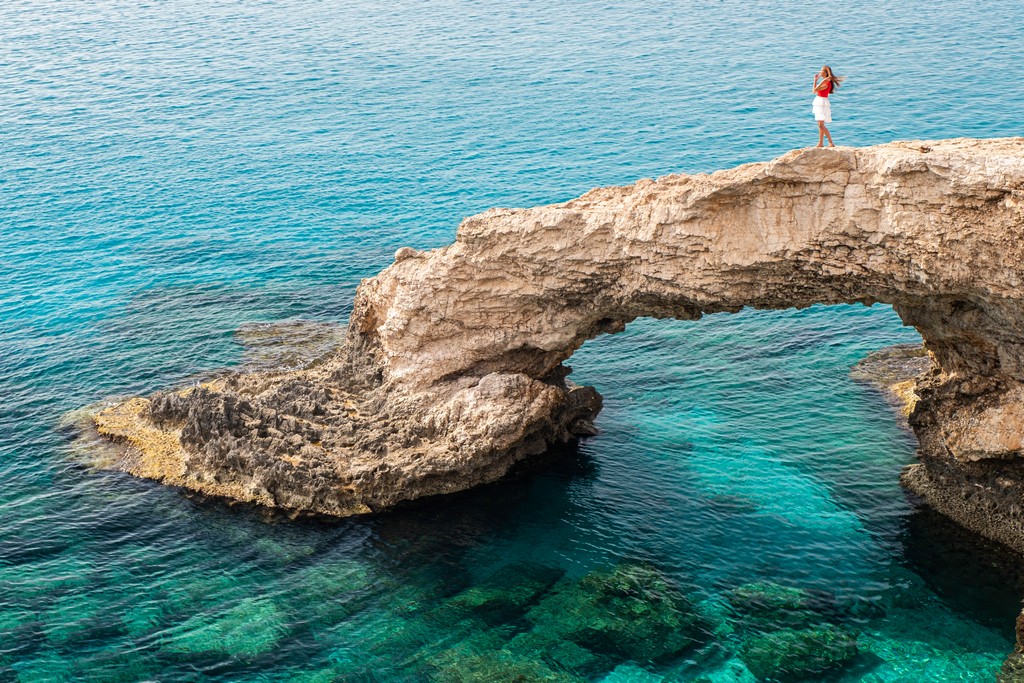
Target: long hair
832, 78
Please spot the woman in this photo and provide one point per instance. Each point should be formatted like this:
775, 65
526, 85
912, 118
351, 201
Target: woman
822, 111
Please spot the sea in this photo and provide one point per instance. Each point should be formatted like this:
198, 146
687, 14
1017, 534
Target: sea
179, 177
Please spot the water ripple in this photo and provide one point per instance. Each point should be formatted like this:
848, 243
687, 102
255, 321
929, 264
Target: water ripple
172, 174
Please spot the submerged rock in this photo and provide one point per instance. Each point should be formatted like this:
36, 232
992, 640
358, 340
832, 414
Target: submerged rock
790, 655
457, 666
330, 591
503, 596
251, 627
631, 611
631, 673
288, 344
1012, 670
524, 623
483, 656
547, 645
788, 633
732, 671
764, 605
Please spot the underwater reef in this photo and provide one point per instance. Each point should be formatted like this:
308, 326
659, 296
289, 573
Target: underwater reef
531, 623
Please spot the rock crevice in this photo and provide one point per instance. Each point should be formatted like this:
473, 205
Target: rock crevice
453, 365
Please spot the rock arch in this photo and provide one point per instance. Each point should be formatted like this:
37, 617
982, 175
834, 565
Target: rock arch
453, 366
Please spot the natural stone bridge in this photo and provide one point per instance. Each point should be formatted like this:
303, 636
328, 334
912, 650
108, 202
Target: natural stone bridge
452, 370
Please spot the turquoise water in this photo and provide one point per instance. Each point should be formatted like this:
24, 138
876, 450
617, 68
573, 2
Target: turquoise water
170, 172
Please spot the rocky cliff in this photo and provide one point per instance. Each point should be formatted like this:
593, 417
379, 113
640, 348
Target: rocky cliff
452, 370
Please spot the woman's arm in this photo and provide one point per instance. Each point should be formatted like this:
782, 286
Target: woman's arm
819, 86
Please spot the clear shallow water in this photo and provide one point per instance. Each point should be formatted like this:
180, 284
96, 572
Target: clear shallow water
169, 173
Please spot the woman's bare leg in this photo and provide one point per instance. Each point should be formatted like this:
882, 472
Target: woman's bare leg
828, 135
821, 132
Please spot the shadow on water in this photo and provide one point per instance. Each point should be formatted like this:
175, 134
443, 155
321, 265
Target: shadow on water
974, 576
435, 526
554, 470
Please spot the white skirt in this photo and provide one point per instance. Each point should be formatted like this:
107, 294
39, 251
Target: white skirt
822, 109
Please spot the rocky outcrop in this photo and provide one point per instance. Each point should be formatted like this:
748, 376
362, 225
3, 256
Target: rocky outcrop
452, 370
894, 370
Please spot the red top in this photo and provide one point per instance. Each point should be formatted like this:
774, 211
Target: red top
826, 90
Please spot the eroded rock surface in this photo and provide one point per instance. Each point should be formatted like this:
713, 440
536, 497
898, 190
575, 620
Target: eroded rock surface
452, 369
894, 370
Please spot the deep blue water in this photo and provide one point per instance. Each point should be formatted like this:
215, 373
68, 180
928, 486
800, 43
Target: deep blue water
172, 171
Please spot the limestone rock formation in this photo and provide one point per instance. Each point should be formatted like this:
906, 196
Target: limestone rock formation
452, 370
895, 370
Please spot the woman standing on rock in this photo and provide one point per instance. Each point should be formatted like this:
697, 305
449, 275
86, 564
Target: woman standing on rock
822, 110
